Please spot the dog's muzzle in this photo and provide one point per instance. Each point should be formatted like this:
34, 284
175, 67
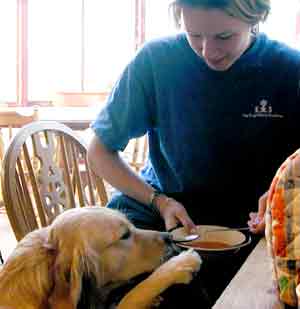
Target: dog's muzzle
171, 249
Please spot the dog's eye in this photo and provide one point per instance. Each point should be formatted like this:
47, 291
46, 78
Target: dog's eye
126, 235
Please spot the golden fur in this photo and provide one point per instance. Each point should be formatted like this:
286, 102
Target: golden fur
47, 268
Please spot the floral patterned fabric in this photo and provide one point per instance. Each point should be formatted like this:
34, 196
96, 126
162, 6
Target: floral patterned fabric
283, 229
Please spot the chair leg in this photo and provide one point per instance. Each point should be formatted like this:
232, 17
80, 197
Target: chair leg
1, 258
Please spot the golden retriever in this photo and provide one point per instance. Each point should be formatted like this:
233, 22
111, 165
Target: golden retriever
50, 267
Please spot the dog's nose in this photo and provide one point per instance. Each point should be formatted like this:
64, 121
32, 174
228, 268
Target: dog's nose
167, 237
172, 248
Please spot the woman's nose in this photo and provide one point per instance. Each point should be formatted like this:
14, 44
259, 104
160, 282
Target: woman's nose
209, 49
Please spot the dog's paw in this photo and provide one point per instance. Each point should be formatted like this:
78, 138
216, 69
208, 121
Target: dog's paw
181, 268
187, 264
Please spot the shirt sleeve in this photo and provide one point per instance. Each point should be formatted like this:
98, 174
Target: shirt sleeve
130, 106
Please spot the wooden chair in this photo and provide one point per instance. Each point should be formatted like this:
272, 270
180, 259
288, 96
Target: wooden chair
12, 118
17, 117
45, 171
136, 152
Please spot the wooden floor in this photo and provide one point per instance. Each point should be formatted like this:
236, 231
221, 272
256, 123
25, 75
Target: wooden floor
7, 238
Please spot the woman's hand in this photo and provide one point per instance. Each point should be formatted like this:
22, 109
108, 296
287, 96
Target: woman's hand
173, 213
257, 219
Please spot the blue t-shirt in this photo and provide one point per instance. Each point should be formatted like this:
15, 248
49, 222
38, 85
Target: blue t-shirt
207, 129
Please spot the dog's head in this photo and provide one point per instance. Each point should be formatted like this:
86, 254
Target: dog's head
90, 242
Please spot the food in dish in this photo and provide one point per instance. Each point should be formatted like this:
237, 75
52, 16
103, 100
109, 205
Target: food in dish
209, 245
215, 240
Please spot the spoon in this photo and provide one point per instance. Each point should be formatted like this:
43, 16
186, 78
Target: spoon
186, 238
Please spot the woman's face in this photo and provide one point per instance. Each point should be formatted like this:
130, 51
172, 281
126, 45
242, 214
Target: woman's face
215, 36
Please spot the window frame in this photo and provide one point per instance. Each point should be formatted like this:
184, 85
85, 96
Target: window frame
22, 48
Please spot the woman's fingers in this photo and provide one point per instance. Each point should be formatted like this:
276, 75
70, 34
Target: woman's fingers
186, 221
175, 213
257, 219
256, 223
170, 223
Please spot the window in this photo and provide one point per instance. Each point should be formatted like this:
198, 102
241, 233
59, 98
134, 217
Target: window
8, 62
54, 47
281, 23
80, 49
109, 41
83, 45
158, 20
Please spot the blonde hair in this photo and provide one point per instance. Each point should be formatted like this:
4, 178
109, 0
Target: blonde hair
249, 11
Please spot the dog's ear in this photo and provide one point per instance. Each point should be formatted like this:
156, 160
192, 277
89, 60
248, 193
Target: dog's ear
25, 277
68, 273
77, 268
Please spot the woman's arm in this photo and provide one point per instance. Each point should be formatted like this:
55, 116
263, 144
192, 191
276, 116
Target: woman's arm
110, 166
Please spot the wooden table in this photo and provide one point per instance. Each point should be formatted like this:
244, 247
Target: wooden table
252, 286
78, 118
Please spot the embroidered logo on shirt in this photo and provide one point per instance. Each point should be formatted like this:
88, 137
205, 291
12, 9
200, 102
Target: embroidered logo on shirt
263, 110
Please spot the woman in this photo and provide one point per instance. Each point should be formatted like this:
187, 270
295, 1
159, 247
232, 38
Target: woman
219, 103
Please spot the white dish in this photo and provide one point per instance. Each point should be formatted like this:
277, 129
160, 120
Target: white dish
231, 239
